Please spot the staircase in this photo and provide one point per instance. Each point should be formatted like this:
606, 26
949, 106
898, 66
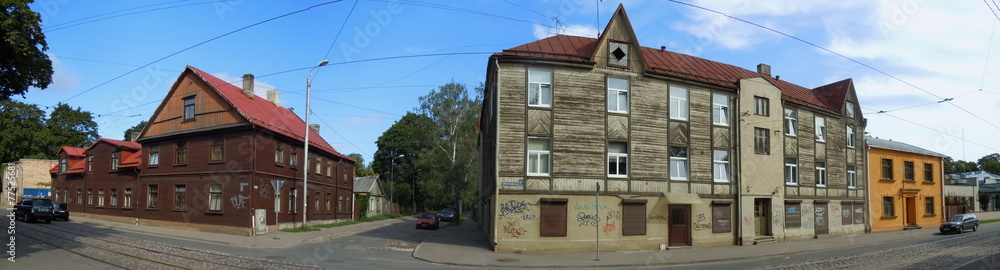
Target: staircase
911, 227
761, 240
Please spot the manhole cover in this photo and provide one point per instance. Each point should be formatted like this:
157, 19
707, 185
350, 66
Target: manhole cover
508, 260
275, 257
333, 261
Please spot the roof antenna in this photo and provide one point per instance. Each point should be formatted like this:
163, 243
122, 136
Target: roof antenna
599, 18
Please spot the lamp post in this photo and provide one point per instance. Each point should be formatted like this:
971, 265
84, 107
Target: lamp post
305, 147
392, 186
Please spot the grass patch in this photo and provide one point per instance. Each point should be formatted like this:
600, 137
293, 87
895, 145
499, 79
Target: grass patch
456, 222
989, 221
300, 229
342, 223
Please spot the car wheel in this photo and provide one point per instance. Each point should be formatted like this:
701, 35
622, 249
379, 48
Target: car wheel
29, 218
48, 221
975, 227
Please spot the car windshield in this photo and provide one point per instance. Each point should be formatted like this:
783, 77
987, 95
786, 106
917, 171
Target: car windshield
42, 203
427, 216
957, 218
446, 211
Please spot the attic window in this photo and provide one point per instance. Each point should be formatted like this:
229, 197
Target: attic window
618, 54
189, 108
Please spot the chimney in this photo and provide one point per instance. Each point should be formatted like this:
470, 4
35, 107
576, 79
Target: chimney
248, 85
314, 127
764, 69
134, 135
663, 48
272, 96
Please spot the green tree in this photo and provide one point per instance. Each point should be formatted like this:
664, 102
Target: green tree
24, 132
990, 163
408, 137
22, 44
70, 127
455, 116
958, 166
360, 170
137, 128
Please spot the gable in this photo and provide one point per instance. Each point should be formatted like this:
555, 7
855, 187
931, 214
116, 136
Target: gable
210, 109
617, 47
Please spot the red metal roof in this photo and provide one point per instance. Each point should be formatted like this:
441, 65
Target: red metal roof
74, 159
71, 151
131, 159
261, 112
581, 49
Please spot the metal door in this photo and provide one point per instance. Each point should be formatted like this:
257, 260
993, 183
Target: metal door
762, 217
680, 225
822, 223
260, 221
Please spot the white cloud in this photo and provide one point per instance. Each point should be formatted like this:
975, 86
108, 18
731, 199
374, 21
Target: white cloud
63, 78
260, 88
580, 30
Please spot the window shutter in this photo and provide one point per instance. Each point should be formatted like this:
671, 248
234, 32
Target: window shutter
634, 218
553, 218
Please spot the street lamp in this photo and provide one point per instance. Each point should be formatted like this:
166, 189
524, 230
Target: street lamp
392, 186
305, 155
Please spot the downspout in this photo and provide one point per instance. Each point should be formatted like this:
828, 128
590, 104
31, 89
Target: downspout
253, 175
496, 162
138, 187
738, 177
868, 189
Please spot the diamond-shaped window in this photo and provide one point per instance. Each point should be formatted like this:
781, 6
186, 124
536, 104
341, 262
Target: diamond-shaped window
618, 53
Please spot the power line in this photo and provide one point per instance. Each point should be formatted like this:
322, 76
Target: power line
57, 28
422, 4
202, 43
991, 9
530, 10
338, 134
942, 132
335, 38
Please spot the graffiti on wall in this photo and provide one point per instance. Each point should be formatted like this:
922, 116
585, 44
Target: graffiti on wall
614, 215
701, 217
610, 227
657, 217
587, 219
239, 201
747, 221
834, 208
589, 206
517, 209
702, 226
514, 229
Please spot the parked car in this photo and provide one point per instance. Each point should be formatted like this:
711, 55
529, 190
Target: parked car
447, 215
33, 209
60, 211
960, 223
428, 221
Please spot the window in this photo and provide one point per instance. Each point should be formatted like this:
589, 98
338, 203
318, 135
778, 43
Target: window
214, 197
181, 152
852, 177
293, 157
345, 175
793, 214
154, 155
720, 160
189, 108
849, 109
218, 148
180, 198
820, 129
720, 109
820, 174
539, 87
115, 158
114, 197
618, 95
340, 203
887, 207
278, 154
634, 217
722, 216
90, 196
886, 169
151, 202
329, 196
552, 218
762, 141
539, 156
128, 198
319, 165
329, 168
90, 164
63, 166
850, 136
762, 106
791, 171
277, 202
678, 103
791, 121
316, 202
846, 216
100, 197
618, 54
292, 193
79, 196
929, 206
678, 163
617, 159
928, 173
908, 170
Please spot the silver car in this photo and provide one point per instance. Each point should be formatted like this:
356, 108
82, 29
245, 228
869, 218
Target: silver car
960, 223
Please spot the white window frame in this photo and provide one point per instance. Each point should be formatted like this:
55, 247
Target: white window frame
850, 137
215, 197
720, 166
720, 109
820, 129
852, 177
616, 95
849, 108
791, 122
618, 158
761, 106
538, 156
821, 178
540, 85
679, 164
128, 198
292, 194
154, 155
679, 106
791, 171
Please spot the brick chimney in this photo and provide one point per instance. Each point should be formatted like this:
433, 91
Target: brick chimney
764, 69
273, 97
134, 135
248, 85
314, 127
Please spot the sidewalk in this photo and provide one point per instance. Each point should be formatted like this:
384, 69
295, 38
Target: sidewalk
466, 246
285, 239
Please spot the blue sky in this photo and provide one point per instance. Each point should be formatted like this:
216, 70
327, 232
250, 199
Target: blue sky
942, 48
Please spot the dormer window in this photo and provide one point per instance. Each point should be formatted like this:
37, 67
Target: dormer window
618, 54
849, 110
114, 160
62, 165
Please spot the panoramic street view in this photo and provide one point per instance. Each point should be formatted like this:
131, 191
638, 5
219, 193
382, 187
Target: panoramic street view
578, 134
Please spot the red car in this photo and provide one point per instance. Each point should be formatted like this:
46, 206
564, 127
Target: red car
427, 221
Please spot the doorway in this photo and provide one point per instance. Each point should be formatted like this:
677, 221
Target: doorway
822, 223
911, 211
680, 225
762, 217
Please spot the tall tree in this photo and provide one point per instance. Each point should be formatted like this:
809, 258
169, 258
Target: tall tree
454, 114
24, 132
360, 170
408, 137
136, 128
22, 44
958, 166
70, 127
990, 163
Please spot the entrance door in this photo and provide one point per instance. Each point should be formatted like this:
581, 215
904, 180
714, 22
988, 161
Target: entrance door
911, 210
680, 225
762, 217
822, 223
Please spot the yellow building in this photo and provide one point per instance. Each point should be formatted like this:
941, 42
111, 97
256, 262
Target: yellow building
906, 186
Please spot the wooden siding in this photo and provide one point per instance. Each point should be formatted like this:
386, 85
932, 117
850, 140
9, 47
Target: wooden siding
700, 151
579, 108
649, 131
512, 94
210, 108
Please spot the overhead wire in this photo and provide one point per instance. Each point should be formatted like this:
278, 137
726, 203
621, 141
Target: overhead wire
57, 28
